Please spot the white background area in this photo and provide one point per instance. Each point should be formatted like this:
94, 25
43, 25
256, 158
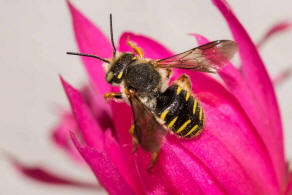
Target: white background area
35, 34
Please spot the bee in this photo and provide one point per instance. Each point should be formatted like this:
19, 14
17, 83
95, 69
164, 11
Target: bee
159, 108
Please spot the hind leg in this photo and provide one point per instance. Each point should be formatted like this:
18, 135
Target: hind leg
135, 144
184, 82
134, 139
153, 161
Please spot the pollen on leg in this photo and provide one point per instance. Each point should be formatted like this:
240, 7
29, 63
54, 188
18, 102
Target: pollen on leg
132, 129
184, 82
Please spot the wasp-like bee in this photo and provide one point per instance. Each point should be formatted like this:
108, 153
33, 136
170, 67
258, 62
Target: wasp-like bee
156, 106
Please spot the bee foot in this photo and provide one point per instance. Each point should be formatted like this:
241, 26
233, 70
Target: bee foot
132, 129
135, 144
153, 161
112, 95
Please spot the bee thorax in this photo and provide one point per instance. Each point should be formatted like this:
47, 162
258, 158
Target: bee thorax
143, 78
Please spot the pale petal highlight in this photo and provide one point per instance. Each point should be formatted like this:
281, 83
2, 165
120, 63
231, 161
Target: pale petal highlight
280, 27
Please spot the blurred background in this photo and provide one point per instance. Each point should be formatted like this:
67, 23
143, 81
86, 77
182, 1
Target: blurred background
36, 34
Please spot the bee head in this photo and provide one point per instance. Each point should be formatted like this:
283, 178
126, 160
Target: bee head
115, 69
115, 73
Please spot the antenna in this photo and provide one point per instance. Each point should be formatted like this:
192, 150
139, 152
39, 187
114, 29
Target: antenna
87, 55
112, 35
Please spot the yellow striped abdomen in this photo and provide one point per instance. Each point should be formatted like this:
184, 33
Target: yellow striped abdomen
180, 111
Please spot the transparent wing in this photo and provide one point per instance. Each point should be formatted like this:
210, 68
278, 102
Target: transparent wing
149, 132
206, 58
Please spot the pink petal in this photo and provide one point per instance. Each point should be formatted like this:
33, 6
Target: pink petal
92, 41
60, 135
91, 131
289, 186
171, 175
39, 174
274, 30
241, 91
230, 140
259, 82
122, 114
123, 160
96, 102
105, 171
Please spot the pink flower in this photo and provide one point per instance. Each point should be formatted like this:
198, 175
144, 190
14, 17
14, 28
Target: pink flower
240, 150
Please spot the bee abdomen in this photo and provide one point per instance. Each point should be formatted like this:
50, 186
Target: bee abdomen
180, 112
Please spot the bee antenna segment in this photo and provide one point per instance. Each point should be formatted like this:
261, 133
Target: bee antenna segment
112, 35
88, 55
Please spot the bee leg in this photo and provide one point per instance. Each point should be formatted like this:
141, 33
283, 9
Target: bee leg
132, 129
169, 72
112, 95
135, 144
153, 161
134, 139
136, 49
184, 81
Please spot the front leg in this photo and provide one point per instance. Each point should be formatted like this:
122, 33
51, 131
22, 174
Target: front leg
136, 49
113, 95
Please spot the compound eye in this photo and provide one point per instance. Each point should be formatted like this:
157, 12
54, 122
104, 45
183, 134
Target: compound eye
109, 76
114, 78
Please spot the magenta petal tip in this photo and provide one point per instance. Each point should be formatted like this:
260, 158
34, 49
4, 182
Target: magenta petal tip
89, 128
42, 175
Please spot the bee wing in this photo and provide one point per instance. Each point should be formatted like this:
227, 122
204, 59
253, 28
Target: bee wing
149, 132
206, 58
